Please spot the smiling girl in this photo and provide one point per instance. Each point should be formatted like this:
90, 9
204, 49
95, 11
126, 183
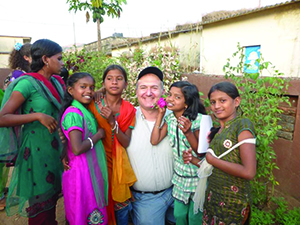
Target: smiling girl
85, 183
228, 194
182, 127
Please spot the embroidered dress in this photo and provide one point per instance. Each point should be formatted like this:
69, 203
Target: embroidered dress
85, 185
185, 178
227, 196
36, 178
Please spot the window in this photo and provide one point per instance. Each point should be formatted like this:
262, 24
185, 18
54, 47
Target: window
252, 53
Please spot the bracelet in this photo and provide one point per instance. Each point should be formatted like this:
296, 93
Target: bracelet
117, 131
116, 127
91, 141
158, 127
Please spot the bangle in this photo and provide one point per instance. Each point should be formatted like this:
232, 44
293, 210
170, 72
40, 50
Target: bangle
91, 141
116, 127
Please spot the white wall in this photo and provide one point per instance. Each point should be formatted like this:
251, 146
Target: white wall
276, 30
6, 46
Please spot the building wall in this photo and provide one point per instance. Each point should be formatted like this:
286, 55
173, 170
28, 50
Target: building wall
277, 30
7, 44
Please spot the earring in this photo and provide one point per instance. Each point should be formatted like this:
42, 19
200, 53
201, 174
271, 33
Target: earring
47, 65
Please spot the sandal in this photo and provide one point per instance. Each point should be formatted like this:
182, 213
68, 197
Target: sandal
2, 204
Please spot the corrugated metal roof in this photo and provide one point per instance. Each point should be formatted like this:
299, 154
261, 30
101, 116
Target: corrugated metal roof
246, 12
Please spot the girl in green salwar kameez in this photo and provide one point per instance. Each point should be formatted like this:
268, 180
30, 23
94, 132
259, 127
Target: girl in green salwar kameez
228, 193
29, 110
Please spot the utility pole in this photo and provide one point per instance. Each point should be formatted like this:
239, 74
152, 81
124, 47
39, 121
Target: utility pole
74, 29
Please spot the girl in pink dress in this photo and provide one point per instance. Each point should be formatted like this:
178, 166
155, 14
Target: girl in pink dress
85, 182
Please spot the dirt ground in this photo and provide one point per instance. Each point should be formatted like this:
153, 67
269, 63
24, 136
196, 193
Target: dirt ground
18, 220
60, 211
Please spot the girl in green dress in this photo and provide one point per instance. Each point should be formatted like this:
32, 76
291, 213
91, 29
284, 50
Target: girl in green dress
29, 110
228, 194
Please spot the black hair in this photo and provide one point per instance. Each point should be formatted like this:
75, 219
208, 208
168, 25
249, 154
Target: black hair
114, 67
16, 58
192, 99
39, 49
228, 88
68, 98
64, 74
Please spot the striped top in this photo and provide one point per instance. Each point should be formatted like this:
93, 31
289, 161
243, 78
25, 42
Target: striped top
227, 196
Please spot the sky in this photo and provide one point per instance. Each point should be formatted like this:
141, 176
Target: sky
52, 20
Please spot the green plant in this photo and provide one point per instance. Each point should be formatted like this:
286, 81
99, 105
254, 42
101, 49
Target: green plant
283, 215
99, 8
261, 217
165, 58
92, 62
277, 214
261, 97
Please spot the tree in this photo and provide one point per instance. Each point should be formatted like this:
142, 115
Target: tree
99, 8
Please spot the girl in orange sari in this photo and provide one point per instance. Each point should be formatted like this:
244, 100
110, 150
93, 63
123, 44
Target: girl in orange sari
117, 117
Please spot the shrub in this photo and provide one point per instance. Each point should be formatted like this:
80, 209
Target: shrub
261, 97
93, 62
165, 58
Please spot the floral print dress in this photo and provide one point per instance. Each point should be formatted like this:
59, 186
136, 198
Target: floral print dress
227, 196
36, 179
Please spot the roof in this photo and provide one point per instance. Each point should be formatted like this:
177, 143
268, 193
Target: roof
195, 26
15, 36
249, 11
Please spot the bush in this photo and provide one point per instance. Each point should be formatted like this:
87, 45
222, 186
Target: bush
165, 58
261, 97
261, 217
92, 62
279, 215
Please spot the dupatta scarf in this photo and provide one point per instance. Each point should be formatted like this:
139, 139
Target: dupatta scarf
122, 175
